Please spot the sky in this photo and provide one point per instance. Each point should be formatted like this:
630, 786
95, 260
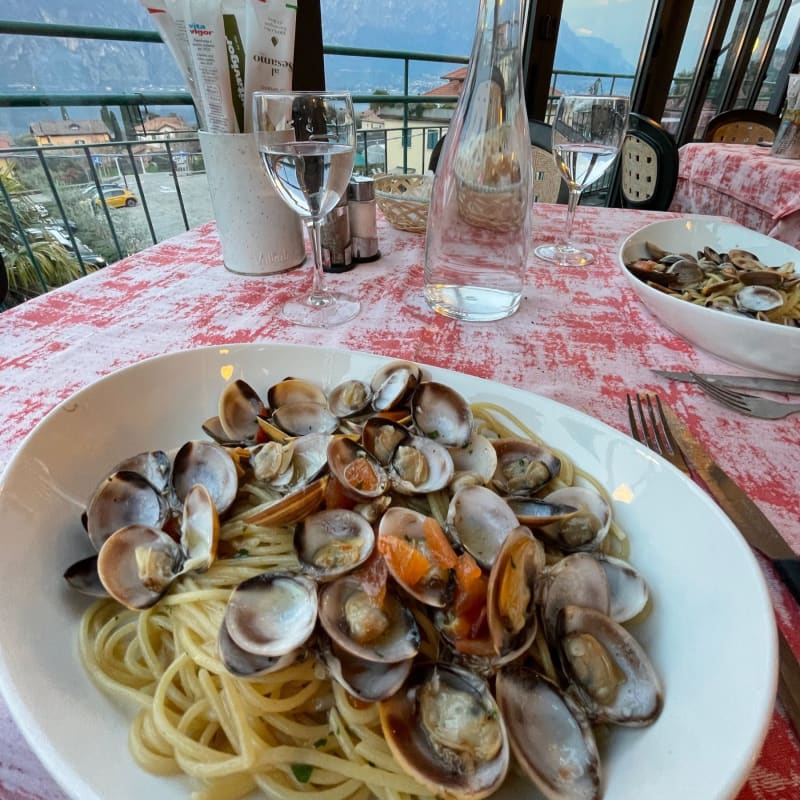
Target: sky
623, 23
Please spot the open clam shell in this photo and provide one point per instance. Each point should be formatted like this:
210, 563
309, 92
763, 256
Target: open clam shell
479, 519
137, 564
420, 465
445, 730
210, 465
349, 398
577, 579
549, 735
153, 465
385, 633
512, 592
356, 469
629, 592
332, 542
393, 383
609, 669
123, 498
523, 467
407, 524
238, 410
587, 527
441, 413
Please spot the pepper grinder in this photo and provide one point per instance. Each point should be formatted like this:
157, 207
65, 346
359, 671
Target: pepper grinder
337, 254
363, 219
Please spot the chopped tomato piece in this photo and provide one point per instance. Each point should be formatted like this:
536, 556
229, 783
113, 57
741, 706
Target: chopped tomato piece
469, 603
467, 571
438, 546
408, 564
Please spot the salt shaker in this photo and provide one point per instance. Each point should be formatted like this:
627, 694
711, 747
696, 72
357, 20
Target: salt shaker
363, 219
337, 254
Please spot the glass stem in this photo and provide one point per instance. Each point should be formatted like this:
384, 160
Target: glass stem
318, 295
572, 204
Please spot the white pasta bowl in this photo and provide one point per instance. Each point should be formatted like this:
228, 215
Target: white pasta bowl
710, 633
754, 344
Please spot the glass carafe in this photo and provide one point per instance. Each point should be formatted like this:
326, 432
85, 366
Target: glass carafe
478, 233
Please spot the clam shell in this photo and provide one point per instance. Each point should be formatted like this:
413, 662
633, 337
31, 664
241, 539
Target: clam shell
639, 697
441, 413
444, 771
549, 735
272, 614
136, 565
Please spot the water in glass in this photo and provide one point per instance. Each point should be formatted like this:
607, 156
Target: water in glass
307, 145
587, 136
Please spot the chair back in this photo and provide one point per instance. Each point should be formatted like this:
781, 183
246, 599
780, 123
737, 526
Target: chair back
548, 185
742, 126
648, 165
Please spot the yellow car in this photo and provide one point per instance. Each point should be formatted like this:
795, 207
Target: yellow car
117, 198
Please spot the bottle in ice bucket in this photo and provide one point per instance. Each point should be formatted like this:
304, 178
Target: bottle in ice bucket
478, 231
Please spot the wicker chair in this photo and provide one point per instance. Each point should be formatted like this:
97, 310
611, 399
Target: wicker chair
648, 165
548, 185
742, 126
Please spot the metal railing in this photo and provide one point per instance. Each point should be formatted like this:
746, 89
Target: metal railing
101, 230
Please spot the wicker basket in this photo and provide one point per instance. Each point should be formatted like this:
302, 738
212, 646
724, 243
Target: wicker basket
404, 200
490, 193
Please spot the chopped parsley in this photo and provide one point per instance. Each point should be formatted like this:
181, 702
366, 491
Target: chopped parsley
242, 553
302, 772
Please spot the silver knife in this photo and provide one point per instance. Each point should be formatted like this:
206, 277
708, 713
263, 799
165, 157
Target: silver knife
785, 385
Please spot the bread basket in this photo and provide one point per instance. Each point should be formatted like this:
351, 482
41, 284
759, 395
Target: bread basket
404, 200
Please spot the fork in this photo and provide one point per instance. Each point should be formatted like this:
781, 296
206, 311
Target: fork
651, 429
655, 433
761, 407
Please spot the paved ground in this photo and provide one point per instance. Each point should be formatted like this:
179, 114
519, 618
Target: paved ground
162, 200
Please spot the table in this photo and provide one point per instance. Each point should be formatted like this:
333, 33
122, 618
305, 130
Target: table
741, 181
581, 337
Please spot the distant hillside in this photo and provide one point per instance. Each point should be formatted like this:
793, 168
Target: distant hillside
56, 65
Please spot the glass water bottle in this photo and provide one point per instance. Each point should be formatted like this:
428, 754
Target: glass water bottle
478, 232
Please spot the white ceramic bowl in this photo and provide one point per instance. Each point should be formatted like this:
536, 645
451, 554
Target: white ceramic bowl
753, 344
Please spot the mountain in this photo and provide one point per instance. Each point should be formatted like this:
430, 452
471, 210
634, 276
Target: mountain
59, 65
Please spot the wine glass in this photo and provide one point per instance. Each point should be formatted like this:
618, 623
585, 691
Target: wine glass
587, 135
307, 145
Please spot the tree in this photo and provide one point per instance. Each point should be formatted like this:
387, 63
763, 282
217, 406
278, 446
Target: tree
110, 120
41, 265
64, 112
376, 105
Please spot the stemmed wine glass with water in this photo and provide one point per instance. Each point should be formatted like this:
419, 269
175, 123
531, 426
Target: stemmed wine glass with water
307, 145
587, 136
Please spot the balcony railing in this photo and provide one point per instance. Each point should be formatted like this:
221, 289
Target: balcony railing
167, 194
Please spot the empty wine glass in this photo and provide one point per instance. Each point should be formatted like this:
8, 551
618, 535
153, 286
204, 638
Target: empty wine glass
307, 145
587, 135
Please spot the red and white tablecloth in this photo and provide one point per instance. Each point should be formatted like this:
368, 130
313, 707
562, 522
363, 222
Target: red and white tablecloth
581, 337
743, 182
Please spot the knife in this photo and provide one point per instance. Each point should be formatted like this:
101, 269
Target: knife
759, 533
754, 526
785, 385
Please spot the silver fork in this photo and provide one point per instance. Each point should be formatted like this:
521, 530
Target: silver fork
651, 429
761, 407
